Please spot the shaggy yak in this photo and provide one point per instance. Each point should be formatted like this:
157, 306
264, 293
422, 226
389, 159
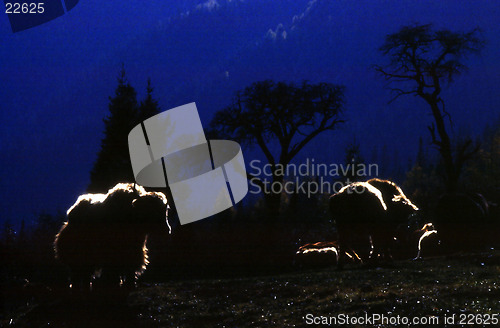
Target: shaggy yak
368, 216
323, 253
465, 222
105, 234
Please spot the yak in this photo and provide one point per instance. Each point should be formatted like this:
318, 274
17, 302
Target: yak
323, 253
105, 235
465, 222
368, 215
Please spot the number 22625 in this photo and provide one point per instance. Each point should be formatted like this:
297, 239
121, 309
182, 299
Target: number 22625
24, 8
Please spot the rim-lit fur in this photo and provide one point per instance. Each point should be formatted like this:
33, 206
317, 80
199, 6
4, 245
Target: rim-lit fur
106, 234
367, 215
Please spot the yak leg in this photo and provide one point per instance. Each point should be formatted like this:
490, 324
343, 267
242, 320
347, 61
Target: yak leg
110, 277
80, 281
342, 256
353, 240
129, 278
382, 239
344, 245
108, 285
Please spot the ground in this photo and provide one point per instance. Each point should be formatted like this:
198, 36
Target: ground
461, 284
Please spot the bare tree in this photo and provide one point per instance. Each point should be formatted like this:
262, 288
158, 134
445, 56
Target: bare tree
422, 62
292, 115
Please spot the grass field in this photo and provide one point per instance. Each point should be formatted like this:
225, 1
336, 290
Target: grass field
464, 284
460, 284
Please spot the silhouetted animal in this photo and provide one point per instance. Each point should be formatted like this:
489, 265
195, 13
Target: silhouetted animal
428, 242
107, 234
320, 254
411, 242
464, 222
367, 216
462, 208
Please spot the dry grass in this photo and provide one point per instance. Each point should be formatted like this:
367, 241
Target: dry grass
465, 283
435, 287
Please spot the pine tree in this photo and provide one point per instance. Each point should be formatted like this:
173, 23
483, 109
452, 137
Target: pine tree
113, 160
354, 161
21, 238
421, 156
8, 234
149, 106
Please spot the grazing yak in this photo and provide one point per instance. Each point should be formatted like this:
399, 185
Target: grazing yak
323, 253
464, 221
411, 242
458, 208
368, 216
105, 234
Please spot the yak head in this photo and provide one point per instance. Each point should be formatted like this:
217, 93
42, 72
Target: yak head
150, 210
